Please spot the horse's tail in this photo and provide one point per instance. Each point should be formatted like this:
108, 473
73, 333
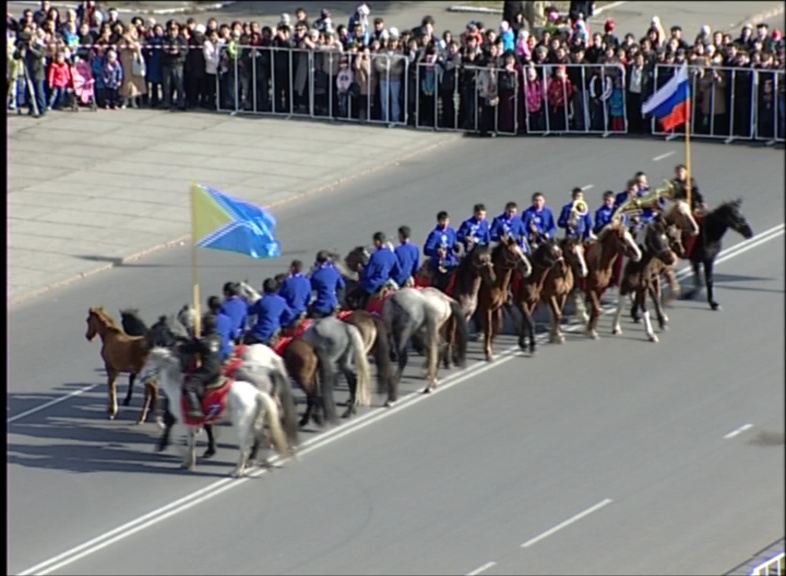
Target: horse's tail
267, 406
284, 388
381, 351
363, 393
461, 333
327, 380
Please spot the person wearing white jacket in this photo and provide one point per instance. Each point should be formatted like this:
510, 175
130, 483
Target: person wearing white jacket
212, 51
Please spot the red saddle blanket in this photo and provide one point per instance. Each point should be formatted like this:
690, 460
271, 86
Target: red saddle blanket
423, 282
214, 401
344, 314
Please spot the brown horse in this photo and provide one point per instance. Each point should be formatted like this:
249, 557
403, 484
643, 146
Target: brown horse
639, 276
560, 282
376, 342
506, 257
313, 371
528, 291
614, 241
122, 354
465, 279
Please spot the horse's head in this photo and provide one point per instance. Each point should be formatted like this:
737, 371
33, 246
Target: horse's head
674, 235
656, 241
357, 258
731, 215
573, 251
132, 322
548, 253
98, 321
618, 238
481, 264
187, 317
508, 255
166, 333
158, 359
681, 215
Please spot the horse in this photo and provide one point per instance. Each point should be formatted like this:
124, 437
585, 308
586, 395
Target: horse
528, 290
559, 283
639, 276
376, 342
248, 408
121, 353
343, 345
312, 369
351, 269
713, 227
410, 310
614, 241
133, 325
465, 279
506, 257
187, 316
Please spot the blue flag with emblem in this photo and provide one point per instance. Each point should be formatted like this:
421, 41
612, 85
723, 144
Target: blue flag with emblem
221, 222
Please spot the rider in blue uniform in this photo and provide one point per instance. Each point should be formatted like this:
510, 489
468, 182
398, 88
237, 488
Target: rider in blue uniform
538, 219
328, 284
272, 314
382, 267
237, 309
442, 235
474, 231
223, 327
604, 213
408, 257
509, 222
296, 289
636, 189
582, 227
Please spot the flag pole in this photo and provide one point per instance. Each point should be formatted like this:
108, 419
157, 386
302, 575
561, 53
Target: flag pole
194, 266
687, 147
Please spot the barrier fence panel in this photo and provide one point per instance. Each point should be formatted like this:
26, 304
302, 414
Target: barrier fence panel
766, 99
780, 109
437, 96
773, 566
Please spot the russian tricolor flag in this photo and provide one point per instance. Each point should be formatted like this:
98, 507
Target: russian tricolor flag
671, 104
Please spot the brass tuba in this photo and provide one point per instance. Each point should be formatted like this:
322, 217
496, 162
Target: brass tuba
577, 211
635, 206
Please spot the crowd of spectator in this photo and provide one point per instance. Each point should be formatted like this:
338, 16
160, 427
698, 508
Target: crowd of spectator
501, 78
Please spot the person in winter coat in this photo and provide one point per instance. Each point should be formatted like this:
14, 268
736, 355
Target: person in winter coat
113, 79
131, 59
59, 80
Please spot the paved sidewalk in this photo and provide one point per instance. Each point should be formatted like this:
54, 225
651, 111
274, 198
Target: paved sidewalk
87, 191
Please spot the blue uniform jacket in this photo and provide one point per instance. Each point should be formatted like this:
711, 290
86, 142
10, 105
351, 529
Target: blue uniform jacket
237, 310
272, 313
224, 330
583, 225
513, 226
381, 267
477, 230
439, 237
326, 281
408, 257
296, 290
543, 220
647, 215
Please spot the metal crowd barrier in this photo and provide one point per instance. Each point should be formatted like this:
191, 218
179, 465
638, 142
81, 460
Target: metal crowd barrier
775, 565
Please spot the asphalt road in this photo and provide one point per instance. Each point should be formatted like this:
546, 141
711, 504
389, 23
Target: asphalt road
466, 477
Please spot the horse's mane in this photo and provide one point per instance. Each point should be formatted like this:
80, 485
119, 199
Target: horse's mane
104, 316
129, 315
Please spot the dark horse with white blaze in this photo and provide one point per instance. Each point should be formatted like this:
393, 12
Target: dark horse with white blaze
712, 228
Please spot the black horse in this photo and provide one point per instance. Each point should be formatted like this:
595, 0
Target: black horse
712, 228
133, 325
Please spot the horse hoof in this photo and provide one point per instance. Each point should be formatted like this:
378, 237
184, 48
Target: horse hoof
347, 413
303, 422
389, 403
533, 352
209, 453
126, 401
237, 473
427, 390
636, 319
653, 338
594, 335
273, 464
160, 423
112, 416
616, 331
585, 317
715, 306
489, 357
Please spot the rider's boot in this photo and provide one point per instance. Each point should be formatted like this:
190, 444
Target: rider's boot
194, 405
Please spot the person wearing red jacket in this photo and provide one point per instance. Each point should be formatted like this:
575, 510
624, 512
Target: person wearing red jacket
559, 94
59, 81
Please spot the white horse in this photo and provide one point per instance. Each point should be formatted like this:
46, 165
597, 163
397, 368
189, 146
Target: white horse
246, 404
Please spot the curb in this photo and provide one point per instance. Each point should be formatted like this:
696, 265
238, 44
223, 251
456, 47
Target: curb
182, 239
161, 11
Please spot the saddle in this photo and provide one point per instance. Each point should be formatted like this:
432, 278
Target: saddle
218, 383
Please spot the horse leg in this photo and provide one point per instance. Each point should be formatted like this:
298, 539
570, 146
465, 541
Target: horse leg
634, 312
486, 321
709, 266
556, 303
111, 375
523, 325
579, 304
309, 409
352, 383
211, 442
691, 294
189, 461
641, 298
531, 326
592, 325
131, 379
655, 295
169, 422
146, 402
674, 286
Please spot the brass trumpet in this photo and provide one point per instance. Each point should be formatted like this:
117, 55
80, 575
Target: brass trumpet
577, 211
635, 206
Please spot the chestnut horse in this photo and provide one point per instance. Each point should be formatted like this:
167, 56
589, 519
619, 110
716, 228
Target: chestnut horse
560, 282
639, 276
614, 241
527, 293
121, 353
507, 257
312, 370
377, 343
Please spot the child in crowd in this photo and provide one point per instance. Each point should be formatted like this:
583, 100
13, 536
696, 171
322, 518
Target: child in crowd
113, 78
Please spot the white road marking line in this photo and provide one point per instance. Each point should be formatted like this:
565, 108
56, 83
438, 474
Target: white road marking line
483, 568
739, 430
663, 156
46, 405
195, 498
602, 9
587, 187
567, 522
